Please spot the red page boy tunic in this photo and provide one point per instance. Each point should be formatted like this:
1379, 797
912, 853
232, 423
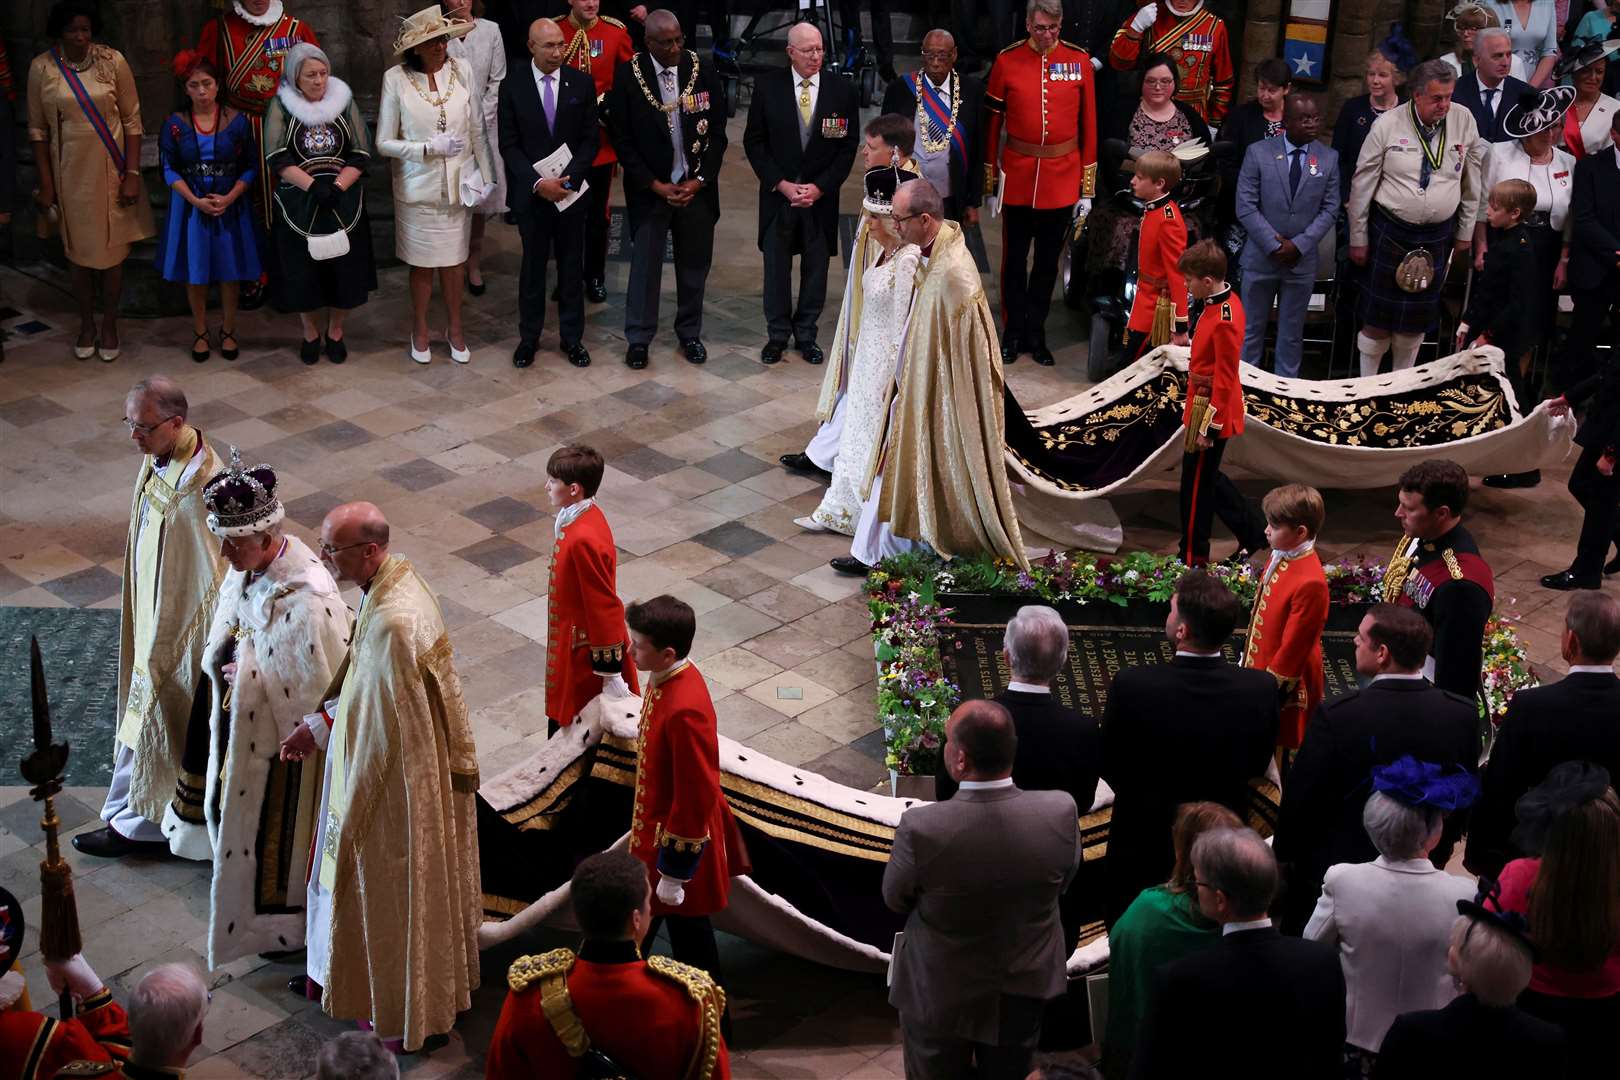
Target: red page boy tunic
588, 639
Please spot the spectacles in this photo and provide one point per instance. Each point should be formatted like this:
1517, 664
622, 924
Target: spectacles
898, 218
1055, 28
938, 54
147, 429
1159, 82
327, 550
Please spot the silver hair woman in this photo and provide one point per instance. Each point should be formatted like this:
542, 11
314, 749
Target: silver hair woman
317, 147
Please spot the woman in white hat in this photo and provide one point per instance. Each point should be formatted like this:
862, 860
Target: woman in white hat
432, 126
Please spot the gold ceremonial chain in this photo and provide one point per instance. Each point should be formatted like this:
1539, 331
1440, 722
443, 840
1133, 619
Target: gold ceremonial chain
657, 103
580, 46
1400, 567
444, 96
925, 123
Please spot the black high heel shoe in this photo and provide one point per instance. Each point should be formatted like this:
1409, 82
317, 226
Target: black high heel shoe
234, 351
200, 355
477, 288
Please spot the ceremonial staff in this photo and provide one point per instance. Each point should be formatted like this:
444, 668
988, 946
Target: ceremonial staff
59, 913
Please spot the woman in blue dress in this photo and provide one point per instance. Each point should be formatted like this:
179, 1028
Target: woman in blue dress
209, 161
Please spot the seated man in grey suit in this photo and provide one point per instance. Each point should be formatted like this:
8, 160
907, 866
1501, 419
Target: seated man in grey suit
979, 878
1287, 201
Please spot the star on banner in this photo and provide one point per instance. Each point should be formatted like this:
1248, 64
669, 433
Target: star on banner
1304, 65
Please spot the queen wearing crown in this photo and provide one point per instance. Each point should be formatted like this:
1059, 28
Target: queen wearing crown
279, 632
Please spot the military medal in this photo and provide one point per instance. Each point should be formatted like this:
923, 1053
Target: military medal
1311, 161
686, 93
703, 126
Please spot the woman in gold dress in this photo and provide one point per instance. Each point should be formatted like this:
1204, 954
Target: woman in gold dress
84, 120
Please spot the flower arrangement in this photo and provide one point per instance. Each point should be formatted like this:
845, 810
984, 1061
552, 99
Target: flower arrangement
914, 697
1506, 669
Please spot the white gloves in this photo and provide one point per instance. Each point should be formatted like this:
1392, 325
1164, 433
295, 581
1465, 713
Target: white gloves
671, 891
1096, 64
614, 688
1083, 207
1144, 18
73, 974
445, 144
12, 985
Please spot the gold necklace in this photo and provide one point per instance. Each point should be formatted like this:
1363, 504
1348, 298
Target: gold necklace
924, 123
89, 59
686, 92
444, 96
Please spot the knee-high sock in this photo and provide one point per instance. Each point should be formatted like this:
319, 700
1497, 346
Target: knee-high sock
1372, 351
1405, 350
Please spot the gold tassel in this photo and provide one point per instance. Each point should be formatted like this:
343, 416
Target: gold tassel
1163, 322
1196, 422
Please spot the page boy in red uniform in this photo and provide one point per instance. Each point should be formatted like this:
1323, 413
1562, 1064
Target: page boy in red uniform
1213, 412
1291, 608
587, 649
1159, 311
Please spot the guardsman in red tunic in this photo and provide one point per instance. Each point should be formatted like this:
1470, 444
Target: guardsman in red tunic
33, 1045
1159, 310
1041, 91
247, 42
680, 827
596, 45
650, 1018
587, 648
1195, 39
1213, 412
1291, 607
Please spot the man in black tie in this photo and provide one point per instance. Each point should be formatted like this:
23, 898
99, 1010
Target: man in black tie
1398, 713
667, 117
543, 106
1489, 91
947, 108
1195, 728
1574, 719
801, 138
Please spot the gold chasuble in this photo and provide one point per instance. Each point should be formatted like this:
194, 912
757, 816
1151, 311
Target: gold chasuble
172, 571
942, 456
400, 852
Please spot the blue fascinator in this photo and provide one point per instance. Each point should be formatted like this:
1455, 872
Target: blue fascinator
1423, 783
1398, 49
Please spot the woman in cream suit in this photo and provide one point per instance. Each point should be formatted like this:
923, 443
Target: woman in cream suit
431, 124
1391, 918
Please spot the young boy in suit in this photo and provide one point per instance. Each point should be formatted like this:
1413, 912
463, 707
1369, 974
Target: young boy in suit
1498, 304
588, 649
1291, 608
1159, 312
1214, 410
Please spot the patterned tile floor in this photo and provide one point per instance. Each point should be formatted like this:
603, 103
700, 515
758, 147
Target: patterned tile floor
455, 457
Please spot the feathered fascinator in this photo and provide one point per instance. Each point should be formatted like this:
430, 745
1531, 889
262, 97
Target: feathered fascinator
1423, 783
1567, 786
185, 62
1398, 49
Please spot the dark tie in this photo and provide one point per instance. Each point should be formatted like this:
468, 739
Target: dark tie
1294, 173
1490, 106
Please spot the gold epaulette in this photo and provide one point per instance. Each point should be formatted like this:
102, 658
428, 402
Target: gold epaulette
1014, 45
1072, 45
711, 1002
1452, 566
611, 21
529, 969
1226, 311
88, 1068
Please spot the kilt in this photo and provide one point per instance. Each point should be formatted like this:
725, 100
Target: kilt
1381, 302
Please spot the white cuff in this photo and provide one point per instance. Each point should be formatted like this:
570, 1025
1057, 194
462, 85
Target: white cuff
318, 729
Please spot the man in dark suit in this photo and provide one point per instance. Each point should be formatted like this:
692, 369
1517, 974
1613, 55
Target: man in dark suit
1058, 749
1595, 480
1574, 719
1489, 91
978, 879
545, 105
1195, 728
950, 125
667, 118
1400, 712
1256, 997
803, 129
1594, 264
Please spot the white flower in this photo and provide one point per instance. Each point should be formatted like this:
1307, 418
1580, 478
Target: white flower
1131, 575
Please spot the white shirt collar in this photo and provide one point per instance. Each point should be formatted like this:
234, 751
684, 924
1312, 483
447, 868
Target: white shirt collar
658, 678
1392, 676
1483, 89
271, 16
1589, 669
1289, 146
815, 81
1199, 655
985, 785
1031, 688
946, 85
1239, 927
538, 74
659, 69
570, 514
1293, 553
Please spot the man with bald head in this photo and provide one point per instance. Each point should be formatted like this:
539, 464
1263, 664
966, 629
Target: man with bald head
947, 107
978, 879
394, 900
803, 130
172, 570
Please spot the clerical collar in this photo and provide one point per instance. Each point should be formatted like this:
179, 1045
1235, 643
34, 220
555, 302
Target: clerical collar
609, 951
271, 16
569, 514
659, 678
1219, 295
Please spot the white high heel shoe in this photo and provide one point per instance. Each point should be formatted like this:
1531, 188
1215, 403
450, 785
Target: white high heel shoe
421, 356
462, 355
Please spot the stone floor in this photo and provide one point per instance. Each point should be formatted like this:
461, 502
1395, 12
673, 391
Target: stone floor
455, 457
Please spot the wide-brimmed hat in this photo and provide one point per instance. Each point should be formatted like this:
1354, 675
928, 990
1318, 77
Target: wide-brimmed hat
241, 501
1590, 54
1538, 112
425, 26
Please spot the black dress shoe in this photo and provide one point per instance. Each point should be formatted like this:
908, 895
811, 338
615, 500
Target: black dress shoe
636, 357
849, 564
107, 843
336, 350
252, 296
812, 353
477, 289
694, 350
299, 984
1514, 480
1009, 351
523, 355
772, 352
310, 351
1567, 580
596, 291
801, 463
577, 355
